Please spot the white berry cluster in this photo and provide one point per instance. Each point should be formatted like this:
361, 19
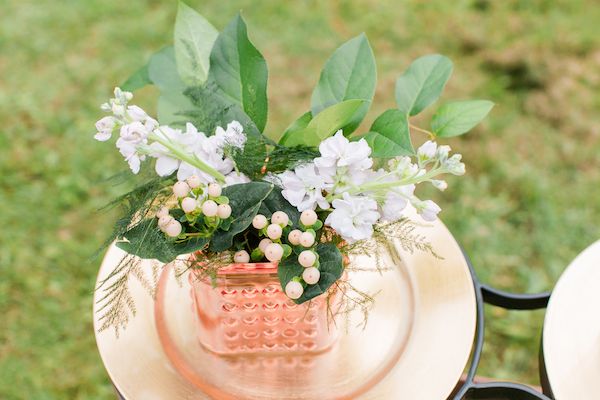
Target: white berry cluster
343, 182
195, 199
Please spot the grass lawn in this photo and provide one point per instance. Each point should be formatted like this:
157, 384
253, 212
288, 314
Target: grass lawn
527, 206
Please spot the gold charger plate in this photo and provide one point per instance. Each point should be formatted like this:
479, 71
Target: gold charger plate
571, 340
415, 345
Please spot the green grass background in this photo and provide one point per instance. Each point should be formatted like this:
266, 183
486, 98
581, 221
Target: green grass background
527, 206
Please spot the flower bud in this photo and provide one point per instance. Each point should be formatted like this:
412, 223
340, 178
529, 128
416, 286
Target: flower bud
173, 228
241, 256
189, 204
280, 218
214, 190
274, 252
259, 222
307, 258
274, 231
308, 217
210, 208
294, 237
307, 239
181, 189
427, 150
311, 275
294, 290
224, 211
194, 181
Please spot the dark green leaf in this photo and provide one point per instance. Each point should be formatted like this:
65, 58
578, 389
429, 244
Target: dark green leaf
325, 124
458, 117
240, 71
194, 38
190, 245
422, 83
350, 73
389, 135
331, 269
245, 200
138, 80
145, 240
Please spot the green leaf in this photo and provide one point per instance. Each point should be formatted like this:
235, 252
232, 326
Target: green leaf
350, 73
245, 200
145, 240
191, 245
162, 70
458, 117
276, 202
172, 107
138, 80
194, 38
296, 126
325, 124
240, 71
390, 136
331, 268
422, 83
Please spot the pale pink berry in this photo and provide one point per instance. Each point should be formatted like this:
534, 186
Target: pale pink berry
307, 239
210, 208
311, 275
280, 218
214, 190
259, 222
263, 244
308, 217
294, 237
181, 189
274, 231
241, 256
162, 212
294, 290
224, 211
164, 221
274, 252
189, 204
194, 181
173, 228
307, 258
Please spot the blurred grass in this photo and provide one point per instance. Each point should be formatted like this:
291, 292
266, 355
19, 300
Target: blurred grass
527, 206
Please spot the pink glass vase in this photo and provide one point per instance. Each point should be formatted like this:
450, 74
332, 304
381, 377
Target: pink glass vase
247, 312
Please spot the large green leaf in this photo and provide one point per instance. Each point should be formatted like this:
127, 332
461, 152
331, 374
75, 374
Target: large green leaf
240, 71
298, 125
422, 83
390, 136
350, 73
194, 38
325, 124
245, 200
145, 240
331, 268
138, 80
162, 70
458, 117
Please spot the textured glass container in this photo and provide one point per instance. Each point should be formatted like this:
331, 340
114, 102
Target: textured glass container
246, 312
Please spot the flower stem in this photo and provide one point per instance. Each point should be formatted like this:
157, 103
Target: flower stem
416, 128
190, 159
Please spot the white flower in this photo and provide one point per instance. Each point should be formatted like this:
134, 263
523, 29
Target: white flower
304, 187
353, 217
427, 151
233, 136
454, 166
442, 153
428, 209
403, 167
439, 184
132, 138
234, 178
105, 127
337, 151
396, 201
137, 114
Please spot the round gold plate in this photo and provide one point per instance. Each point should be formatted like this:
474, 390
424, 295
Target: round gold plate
572, 330
415, 345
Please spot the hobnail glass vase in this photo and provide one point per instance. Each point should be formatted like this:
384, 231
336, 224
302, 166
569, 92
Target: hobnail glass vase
244, 311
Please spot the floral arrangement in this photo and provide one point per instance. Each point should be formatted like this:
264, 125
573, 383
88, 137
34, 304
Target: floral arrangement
225, 191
